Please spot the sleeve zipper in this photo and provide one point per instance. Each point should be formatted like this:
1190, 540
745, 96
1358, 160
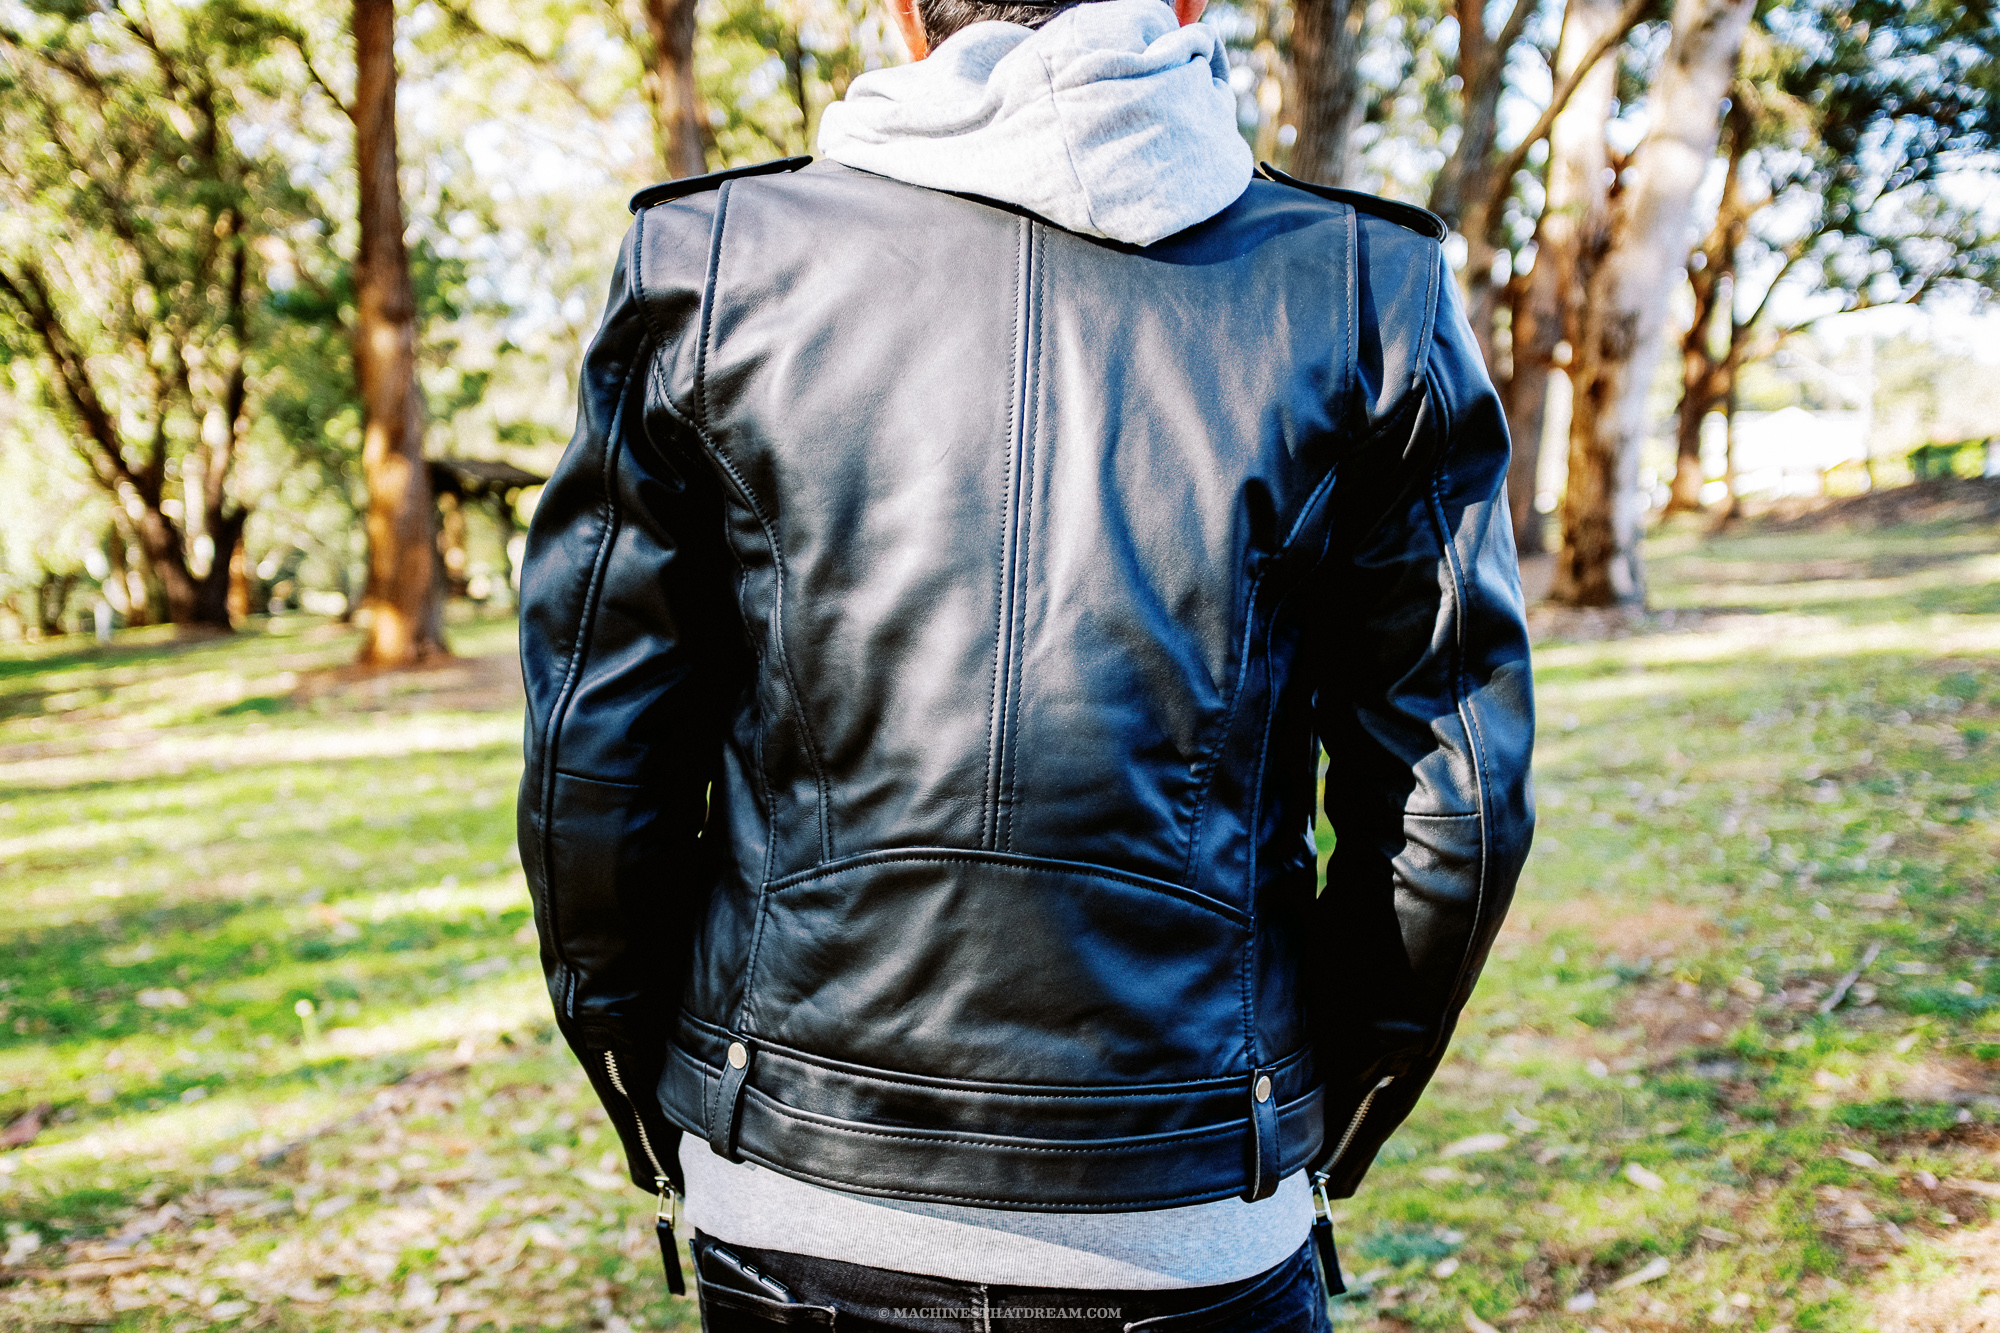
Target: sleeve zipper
663, 1217
1353, 1126
1322, 1227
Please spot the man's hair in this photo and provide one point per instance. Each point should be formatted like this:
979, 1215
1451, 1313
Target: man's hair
942, 18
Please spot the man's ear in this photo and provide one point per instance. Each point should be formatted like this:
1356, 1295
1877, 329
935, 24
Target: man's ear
903, 13
1187, 11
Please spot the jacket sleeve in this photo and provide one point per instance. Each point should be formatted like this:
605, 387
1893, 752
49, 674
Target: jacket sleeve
1424, 708
625, 618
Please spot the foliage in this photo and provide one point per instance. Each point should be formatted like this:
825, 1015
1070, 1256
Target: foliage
131, 257
1870, 116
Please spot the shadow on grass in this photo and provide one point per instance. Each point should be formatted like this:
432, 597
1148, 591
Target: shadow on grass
154, 646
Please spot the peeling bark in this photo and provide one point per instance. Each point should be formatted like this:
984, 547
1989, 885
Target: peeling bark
1629, 259
1707, 377
1545, 300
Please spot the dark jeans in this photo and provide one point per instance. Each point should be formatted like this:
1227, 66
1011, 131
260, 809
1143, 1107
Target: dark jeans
826, 1293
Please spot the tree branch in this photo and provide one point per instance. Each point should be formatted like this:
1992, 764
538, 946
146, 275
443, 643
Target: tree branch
459, 14
30, 292
1793, 254
297, 37
1502, 179
1511, 30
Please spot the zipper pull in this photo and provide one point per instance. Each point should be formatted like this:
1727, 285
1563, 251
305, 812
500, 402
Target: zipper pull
1329, 1261
663, 1225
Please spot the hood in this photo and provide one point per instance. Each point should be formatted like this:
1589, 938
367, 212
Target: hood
1111, 120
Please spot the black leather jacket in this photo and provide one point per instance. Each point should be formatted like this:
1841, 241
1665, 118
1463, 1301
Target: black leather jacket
931, 634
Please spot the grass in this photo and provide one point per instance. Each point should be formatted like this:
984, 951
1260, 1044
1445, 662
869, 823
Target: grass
1647, 1122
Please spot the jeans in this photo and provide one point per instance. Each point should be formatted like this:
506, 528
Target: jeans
826, 1293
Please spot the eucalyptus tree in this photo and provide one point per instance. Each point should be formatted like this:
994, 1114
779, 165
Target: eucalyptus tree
130, 260
1632, 251
1852, 130
1471, 190
1543, 301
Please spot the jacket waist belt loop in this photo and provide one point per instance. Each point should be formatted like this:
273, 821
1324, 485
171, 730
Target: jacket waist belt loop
1263, 1155
724, 1113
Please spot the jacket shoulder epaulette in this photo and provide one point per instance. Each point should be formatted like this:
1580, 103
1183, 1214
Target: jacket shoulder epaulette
687, 185
1419, 220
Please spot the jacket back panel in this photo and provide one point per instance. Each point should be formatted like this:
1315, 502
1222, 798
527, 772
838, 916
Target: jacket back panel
1009, 504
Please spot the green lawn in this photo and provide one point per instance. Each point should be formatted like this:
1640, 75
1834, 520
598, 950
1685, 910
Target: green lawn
1647, 1123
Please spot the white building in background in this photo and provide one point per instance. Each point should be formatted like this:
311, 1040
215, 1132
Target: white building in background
1787, 452
1782, 453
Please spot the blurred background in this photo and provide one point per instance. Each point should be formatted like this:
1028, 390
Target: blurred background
292, 299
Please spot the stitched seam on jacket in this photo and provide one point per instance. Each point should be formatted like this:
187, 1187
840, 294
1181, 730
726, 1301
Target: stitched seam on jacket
1211, 761
1472, 738
989, 791
1166, 888
1022, 544
1257, 810
767, 803
1010, 539
701, 349
1003, 1143
707, 434
771, 837
1462, 700
1044, 1092
1350, 338
593, 589
1002, 860
768, 800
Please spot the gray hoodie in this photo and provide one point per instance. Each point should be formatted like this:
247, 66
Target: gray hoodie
1111, 120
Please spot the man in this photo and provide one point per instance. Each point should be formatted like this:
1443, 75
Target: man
968, 545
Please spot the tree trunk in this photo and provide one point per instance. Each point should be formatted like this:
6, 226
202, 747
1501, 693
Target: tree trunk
239, 584
1701, 381
147, 598
1545, 309
680, 124
1326, 87
1684, 496
52, 603
1463, 194
1732, 505
1537, 327
212, 599
404, 611
102, 444
1713, 283
1628, 263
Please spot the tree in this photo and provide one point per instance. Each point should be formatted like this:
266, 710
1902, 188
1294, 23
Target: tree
1854, 120
662, 39
136, 275
1630, 256
1708, 376
402, 604
1543, 300
1472, 188
1326, 92
670, 87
